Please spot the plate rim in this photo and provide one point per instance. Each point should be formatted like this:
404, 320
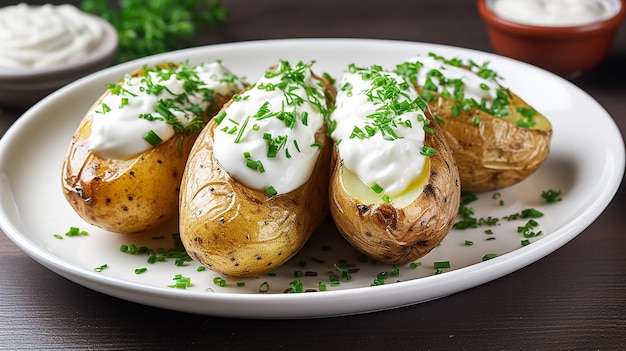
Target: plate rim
509, 262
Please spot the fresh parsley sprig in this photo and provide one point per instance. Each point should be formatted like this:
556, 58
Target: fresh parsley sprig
147, 27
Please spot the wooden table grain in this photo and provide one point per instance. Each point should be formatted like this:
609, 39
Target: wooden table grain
573, 299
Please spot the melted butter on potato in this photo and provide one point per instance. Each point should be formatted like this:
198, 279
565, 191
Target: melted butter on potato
359, 190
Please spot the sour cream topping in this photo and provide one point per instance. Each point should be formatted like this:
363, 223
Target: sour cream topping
436, 73
266, 137
164, 101
555, 13
379, 129
47, 35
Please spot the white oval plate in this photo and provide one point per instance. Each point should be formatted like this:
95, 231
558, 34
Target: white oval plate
33, 209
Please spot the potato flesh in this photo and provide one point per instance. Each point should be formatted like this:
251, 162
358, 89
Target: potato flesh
359, 190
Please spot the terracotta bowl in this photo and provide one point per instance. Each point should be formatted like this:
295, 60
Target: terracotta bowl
565, 51
20, 88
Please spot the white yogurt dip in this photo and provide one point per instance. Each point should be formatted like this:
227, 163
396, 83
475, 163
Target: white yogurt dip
555, 13
44, 36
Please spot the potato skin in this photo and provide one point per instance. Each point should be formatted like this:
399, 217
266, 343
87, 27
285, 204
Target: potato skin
238, 231
497, 153
126, 196
400, 235
242, 232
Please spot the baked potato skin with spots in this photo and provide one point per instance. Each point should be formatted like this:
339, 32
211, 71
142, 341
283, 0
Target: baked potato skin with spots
127, 196
496, 153
124, 196
399, 235
242, 232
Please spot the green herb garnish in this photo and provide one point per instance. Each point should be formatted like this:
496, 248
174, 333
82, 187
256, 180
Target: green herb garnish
153, 138
551, 196
147, 27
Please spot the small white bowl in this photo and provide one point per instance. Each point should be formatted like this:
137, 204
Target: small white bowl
20, 88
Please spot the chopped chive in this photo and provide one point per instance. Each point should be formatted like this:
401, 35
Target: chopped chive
489, 256
74, 231
220, 117
140, 270
551, 196
297, 286
476, 121
430, 130
152, 138
243, 127
270, 191
442, 264
219, 281
250, 163
181, 282
396, 271
377, 188
428, 151
101, 268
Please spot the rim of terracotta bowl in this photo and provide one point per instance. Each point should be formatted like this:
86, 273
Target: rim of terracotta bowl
100, 56
608, 24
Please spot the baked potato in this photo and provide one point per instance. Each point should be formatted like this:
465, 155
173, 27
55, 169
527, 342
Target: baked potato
124, 165
498, 139
394, 187
256, 184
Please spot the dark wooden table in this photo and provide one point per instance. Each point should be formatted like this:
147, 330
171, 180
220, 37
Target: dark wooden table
573, 299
